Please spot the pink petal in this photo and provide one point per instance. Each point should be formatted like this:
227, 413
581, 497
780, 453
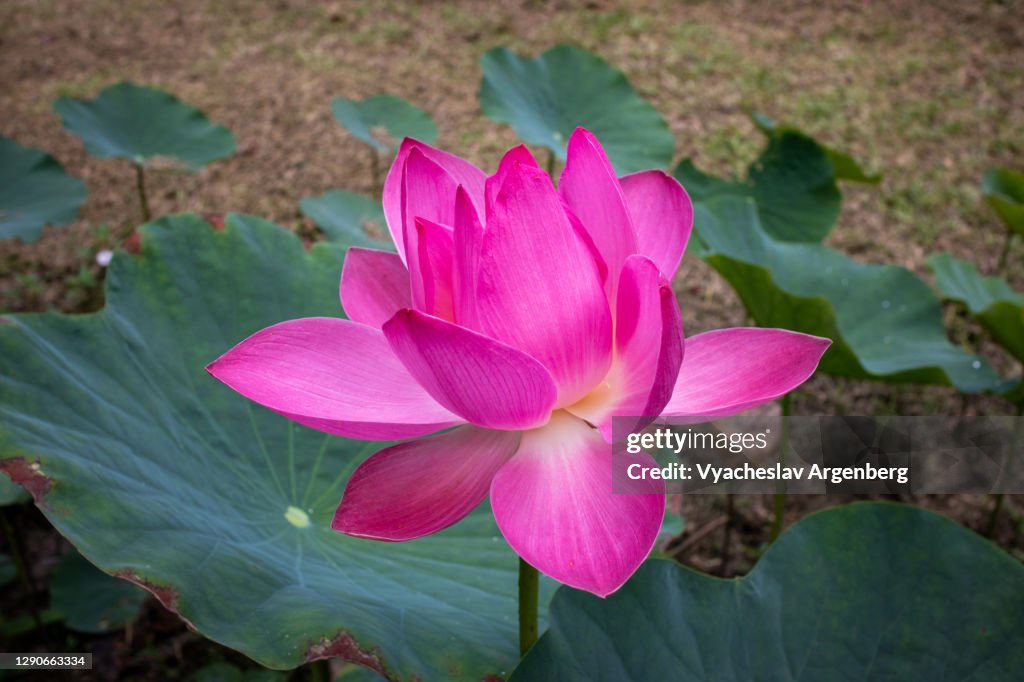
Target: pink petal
459, 171
417, 488
662, 217
428, 192
648, 350
588, 241
539, 289
647, 319
590, 188
334, 375
469, 234
554, 504
374, 286
430, 269
517, 155
727, 371
483, 380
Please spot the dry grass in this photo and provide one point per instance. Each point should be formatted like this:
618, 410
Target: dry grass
930, 95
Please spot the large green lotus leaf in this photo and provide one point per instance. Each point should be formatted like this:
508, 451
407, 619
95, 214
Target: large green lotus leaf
546, 98
871, 591
160, 474
844, 166
884, 321
1004, 192
145, 125
999, 308
34, 192
382, 121
349, 218
792, 183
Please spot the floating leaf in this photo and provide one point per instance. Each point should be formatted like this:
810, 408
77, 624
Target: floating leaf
871, 591
884, 321
34, 192
999, 308
844, 166
349, 218
92, 601
163, 475
1004, 191
792, 183
382, 121
546, 98
147, 126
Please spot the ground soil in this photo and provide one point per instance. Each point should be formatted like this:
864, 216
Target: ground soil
929, 94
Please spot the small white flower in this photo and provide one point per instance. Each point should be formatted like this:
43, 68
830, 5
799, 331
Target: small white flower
104, 257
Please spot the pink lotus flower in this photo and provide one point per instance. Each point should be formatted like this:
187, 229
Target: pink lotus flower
525, 317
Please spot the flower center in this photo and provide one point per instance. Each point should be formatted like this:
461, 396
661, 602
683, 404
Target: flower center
594, 405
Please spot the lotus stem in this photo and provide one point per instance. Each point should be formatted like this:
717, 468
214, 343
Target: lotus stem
1007, 243
378, 187
780, 490
993, 517
730, 519
140, 185
529, 581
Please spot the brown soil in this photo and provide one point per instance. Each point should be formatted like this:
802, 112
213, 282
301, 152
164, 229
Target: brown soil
930, 94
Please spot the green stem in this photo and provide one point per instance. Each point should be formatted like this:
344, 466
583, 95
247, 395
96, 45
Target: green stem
140, 185
528, 584
1005, 254
551, 164
730, 519
780, 490
375, 172
993, 517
